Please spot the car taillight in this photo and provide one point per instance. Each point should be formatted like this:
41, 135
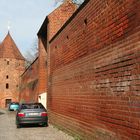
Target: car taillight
44, 114
21, 115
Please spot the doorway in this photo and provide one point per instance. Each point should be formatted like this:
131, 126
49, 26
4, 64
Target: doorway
7, 101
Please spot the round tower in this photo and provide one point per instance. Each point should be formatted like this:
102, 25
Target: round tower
12, 65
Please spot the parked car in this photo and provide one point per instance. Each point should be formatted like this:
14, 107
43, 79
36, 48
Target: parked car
31, 113
13, 106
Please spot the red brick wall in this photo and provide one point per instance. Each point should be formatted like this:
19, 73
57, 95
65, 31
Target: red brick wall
9, 74
94, 72
59, 16
29, 84
42, 68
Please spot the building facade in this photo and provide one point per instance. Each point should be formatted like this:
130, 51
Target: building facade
94, 71
12, 65
52, 24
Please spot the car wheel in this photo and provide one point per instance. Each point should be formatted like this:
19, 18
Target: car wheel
45, 124
18, 126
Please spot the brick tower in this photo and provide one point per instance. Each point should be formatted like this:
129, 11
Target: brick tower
11, 67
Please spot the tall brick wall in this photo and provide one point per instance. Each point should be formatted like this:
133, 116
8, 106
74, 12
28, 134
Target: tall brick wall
94, 71
42, 68
29, 84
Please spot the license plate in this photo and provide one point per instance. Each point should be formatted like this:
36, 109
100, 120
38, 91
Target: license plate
32, 114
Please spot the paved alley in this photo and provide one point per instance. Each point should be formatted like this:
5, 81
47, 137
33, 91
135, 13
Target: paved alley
8, 130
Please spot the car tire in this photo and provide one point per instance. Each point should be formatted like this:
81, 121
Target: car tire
18, 126
45, 124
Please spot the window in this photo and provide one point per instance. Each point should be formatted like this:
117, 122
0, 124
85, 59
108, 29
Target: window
7, 62
85, 21
7, 85
7, 76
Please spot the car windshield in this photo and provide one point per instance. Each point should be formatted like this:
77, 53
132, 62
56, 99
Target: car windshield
32, 106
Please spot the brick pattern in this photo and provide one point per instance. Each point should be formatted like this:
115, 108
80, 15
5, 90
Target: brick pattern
94, 72
9, 74
59, 16
29, 84
37, 73
42, 67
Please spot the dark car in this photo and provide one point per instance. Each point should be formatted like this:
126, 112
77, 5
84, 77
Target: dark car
31, 113
13, 106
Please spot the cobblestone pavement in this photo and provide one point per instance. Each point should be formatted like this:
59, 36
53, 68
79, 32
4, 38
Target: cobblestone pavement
8, 130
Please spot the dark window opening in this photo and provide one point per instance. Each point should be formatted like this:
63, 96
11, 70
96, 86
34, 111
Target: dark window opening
7, 76
7, 102
7, 85
67, 37
85, 21
7, 62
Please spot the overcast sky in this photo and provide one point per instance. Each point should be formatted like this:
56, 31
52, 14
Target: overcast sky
25, 17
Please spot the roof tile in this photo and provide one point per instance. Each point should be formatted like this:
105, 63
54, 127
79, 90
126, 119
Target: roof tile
8, 48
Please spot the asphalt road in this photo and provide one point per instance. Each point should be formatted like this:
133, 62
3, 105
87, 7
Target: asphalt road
8, 130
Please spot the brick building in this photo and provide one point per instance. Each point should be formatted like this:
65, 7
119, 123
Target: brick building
38, 69
94, 71
53, 22
11, 67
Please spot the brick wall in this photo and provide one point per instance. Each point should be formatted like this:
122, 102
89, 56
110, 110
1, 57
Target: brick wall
94, 71
10, 70
42, 67
59, 16
29, 84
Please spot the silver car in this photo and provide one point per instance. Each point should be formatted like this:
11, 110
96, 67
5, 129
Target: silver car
31, 113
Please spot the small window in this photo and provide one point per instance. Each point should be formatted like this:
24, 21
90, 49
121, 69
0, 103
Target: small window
85, 21
67, 37
7, 85
7, 76
7, 62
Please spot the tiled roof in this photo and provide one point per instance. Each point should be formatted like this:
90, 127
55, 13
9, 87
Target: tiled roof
8, 49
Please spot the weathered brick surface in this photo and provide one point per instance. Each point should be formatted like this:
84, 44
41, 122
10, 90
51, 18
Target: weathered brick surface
29, 84
11, 67
13, 71
59, 16
42, 68
56, 20
94, 72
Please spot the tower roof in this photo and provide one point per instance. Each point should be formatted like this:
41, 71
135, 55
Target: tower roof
8, 48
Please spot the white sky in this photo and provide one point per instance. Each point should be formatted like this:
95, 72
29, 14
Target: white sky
25, 18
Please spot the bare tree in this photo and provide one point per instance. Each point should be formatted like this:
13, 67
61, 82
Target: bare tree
78, 2
32, 54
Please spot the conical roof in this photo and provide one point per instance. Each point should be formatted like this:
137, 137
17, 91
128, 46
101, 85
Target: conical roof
8, 49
